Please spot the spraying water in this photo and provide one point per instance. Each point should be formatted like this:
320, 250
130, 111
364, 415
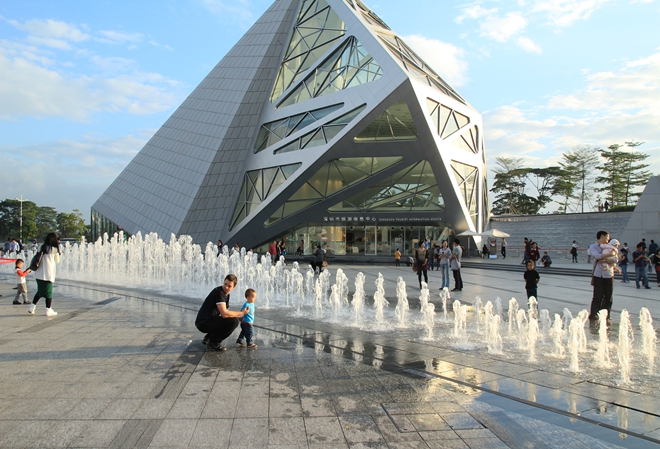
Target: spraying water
429, 320
557, 336
574, 329
477, 313
649, 338
625, 345
444, 296
358, 298
602, 355
494, 337
379, 299
402, 305
460, 322
513, 314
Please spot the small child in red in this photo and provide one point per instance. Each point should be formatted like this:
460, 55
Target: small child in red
20, 279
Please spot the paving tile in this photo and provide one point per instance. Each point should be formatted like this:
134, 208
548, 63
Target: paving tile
324, 430
286, 432
174, 433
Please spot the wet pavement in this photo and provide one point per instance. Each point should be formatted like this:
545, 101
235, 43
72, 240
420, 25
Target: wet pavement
120, 368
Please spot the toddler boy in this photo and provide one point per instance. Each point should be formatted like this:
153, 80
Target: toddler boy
247, 332
20, 280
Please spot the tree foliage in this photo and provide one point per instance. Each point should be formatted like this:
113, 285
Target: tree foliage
578, 183
622, 173
38, 221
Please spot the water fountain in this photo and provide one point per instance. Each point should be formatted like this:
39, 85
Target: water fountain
181, 268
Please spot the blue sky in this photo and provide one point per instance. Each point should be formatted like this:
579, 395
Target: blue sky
84, 85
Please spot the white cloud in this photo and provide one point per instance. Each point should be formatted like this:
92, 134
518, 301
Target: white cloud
230, 10
119, 37
69, 174
28, 89
445, 59
563, 13
528, 45
614, 107
501, 29
474, 12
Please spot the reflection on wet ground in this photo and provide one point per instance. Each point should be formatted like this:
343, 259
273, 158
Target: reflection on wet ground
127, 369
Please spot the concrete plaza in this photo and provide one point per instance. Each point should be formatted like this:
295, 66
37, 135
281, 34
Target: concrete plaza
125, 368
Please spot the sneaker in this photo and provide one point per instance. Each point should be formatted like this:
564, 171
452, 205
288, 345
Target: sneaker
647, 287
205, 340
16, 302
26, 302
252, 346
31, 308
50, 311
240, 343
215, 346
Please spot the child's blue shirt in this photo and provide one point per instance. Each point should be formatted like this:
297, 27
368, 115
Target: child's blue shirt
248, 317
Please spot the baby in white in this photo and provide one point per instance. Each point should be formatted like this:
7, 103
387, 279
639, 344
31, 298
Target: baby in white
610, 253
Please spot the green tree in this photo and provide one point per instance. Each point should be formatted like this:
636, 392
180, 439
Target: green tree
579, 176
622, 172
547, 182
10, 219
509, 185
46, 221
71, 225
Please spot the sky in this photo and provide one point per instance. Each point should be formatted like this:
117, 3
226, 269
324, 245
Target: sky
84, 85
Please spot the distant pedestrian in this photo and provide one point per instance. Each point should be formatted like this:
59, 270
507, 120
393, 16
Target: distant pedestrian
623, 265
640, 259
531, 277
606, 206
504, 244
455, 265
525, 249
421, 262
656, 264
533, 253
574, 251
546, 261
444, 256
397, 258
219, 247
319, 257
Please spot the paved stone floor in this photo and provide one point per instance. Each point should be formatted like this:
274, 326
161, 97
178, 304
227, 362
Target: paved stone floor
124, 368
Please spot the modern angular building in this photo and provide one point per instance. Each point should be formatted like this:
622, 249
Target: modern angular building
320, 125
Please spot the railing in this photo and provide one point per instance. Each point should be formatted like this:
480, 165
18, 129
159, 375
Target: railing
554, 253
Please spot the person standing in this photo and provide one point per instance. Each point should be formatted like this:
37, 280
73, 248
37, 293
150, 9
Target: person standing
574, 251
656, 263
640, 259
531, 277
503, 249
319, 256
623, 264
421, 261
45, 274
533, 253
247, 331
214, 317
602, 280
397, 258
455, 264
444, 254
219, 247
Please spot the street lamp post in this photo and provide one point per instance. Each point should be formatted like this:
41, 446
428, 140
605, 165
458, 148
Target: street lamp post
20, 219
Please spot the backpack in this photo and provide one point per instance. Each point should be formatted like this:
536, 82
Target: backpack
36, 260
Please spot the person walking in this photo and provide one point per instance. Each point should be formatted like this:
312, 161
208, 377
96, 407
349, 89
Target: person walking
602, 280
319, 256
444, 254
503, 249
455, 264
421, 262
45, 274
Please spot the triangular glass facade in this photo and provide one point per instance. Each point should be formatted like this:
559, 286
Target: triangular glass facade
257, 186
411, 189
415, 65
396, 123
272, 132
322, 135
336, 175
445, 120
466, 177
468, 141
315, 32
350, 65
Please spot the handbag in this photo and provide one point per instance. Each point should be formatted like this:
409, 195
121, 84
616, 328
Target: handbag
36, 260
415, 267
324, 263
